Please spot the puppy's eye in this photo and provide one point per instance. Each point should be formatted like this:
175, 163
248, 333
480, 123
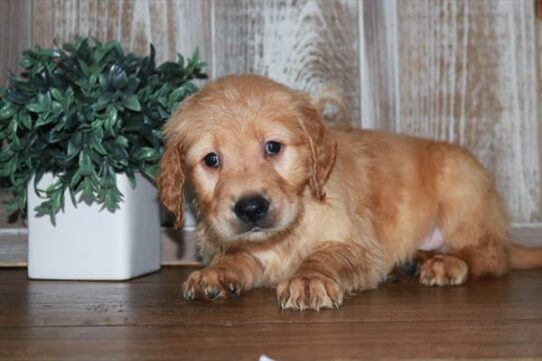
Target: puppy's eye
211, 160
272, 148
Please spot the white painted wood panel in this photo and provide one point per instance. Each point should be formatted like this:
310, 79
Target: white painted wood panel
467, 74
172, 26
308, 45
460, 70
379, 65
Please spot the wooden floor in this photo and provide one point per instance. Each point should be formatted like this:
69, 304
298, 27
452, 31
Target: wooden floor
146, 319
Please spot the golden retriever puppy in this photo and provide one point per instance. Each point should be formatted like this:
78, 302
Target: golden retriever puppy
318, 213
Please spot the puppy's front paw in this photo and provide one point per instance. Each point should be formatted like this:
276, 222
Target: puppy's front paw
311, 292
212, 284
443, 270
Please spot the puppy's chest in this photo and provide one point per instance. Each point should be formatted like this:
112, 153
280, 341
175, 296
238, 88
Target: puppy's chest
332, 221
316, 228
279, 263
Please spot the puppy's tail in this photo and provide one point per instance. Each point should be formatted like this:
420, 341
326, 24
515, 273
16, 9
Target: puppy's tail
330, 103
522, 257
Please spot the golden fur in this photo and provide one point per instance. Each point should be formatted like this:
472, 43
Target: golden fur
346, 206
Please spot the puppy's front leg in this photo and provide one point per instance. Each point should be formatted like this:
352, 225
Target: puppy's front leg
327, 275
228, 276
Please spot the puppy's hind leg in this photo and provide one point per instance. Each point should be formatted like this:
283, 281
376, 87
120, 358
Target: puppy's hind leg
473, 225
443, 270
485, 257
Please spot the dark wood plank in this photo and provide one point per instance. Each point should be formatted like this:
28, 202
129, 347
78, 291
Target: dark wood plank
156, 301
282, 342
146, 318
13, 248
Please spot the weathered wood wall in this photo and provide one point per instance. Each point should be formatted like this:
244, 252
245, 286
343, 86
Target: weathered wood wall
469, 72
15, 34
462, 71
468, 75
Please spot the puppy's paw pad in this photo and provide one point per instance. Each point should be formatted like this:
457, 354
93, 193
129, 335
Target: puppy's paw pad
211, 284
443, 270
309, 293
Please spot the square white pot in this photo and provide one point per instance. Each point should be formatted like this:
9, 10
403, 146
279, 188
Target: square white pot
90, 243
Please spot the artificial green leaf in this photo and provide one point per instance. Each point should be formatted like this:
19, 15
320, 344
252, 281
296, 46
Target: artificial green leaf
97, 146
34, 107
122, 141
85, 164
177, 94
44, 119
131, 102
84, 67
86, 113
150, 171
6, 111
74, 145
147, 154
44, 100
25, 119
119, 79
57, 95
6, 154
131, 178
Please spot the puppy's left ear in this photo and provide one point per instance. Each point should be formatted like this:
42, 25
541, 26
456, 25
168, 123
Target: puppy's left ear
323, 148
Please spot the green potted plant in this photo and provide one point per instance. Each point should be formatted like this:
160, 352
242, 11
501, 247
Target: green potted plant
81, 138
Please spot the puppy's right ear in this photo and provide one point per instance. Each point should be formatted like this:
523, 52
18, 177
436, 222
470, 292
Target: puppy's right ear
171, 180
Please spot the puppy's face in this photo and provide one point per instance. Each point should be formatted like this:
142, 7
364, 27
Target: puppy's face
248, 174
244, 145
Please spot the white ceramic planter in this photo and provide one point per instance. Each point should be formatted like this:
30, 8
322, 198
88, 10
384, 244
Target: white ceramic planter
90, 243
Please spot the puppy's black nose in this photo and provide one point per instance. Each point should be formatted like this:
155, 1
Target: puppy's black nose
251, 209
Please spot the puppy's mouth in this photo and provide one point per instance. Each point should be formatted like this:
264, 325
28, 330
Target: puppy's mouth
233, 228
255, 229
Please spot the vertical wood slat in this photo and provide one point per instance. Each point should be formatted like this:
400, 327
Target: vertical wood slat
305, 44
539, 86
476, 88
172, 26
379, 65
15, 24
465, 75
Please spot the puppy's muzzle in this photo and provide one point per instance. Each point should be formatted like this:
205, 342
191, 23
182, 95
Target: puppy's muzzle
251, 209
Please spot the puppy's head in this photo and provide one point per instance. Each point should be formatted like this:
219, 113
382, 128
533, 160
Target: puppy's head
249, 147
